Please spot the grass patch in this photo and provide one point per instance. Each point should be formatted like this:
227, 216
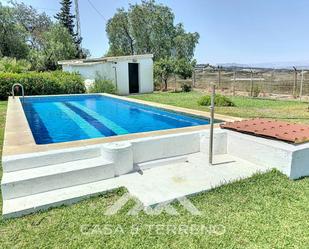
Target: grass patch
245, 107
264, 211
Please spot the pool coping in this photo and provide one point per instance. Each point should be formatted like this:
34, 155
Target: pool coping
18, 138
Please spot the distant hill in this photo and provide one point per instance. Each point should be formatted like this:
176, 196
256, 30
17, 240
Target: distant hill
275, 65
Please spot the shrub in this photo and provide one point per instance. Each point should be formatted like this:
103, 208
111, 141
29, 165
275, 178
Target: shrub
102, 85
13, 66
220, 100
43, 83
185, 87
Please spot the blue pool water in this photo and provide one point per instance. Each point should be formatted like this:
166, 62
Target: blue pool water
69, 118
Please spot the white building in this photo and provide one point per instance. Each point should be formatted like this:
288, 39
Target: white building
130, 74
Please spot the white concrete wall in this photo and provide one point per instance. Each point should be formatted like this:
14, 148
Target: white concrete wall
154, 148
145, 75
88, 72
107, 70
261, 151
145, 69
122, 77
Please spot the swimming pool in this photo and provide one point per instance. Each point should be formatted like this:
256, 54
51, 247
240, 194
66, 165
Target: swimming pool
55, 119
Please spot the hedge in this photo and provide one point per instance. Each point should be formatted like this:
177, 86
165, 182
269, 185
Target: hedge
41, 83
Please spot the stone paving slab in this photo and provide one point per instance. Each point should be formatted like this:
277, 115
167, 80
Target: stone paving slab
168, 182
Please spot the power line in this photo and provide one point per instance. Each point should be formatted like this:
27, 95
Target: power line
96, 10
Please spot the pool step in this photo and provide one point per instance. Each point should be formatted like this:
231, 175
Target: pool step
29, 204
39, 159
41, 179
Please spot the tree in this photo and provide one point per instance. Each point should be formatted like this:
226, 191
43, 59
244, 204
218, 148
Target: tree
149, 28
118, 30
66, 19
185, 43
152, 28
12, 35
33, 23
57, 44
27, 34
163, 69
184, 68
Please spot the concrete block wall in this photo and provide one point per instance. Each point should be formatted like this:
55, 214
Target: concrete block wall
291, 160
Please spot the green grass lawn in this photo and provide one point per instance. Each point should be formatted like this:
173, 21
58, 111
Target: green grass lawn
292, 111
265, 211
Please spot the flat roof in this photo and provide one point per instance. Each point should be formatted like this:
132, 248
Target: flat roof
104, 59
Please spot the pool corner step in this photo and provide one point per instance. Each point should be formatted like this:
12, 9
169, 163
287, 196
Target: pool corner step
40, 159
36, 180
33, 203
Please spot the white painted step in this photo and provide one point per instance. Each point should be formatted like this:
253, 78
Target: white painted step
65, 196
39, 159
160, 162
36, 180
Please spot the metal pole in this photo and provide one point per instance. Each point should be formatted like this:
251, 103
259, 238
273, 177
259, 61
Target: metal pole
301, 85
212, 112
116, 83
22, 91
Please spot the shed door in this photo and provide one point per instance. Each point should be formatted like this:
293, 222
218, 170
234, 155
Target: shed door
133, 78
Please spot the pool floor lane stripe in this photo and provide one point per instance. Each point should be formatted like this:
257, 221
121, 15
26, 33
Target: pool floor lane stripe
82, 123
91, 120
38, 128
108, 123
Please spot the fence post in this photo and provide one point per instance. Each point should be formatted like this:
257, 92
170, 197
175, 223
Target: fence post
219, 75
175, 83
301, 85
251, 88
272, 81
233, 85
295, 82
212, 115
193, 78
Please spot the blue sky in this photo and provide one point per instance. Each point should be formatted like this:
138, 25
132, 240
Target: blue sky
241, 31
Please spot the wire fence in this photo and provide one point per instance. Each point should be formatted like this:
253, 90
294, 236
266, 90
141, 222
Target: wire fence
256, 83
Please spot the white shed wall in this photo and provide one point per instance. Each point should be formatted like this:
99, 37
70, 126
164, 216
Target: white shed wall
107, 70
89, 71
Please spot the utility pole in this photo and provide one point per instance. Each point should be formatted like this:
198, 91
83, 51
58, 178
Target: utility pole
78, 29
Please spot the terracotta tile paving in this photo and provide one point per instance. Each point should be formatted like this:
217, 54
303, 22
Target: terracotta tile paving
280, 130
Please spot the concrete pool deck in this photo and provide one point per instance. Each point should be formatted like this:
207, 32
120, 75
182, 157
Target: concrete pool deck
168, 181
18, 138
